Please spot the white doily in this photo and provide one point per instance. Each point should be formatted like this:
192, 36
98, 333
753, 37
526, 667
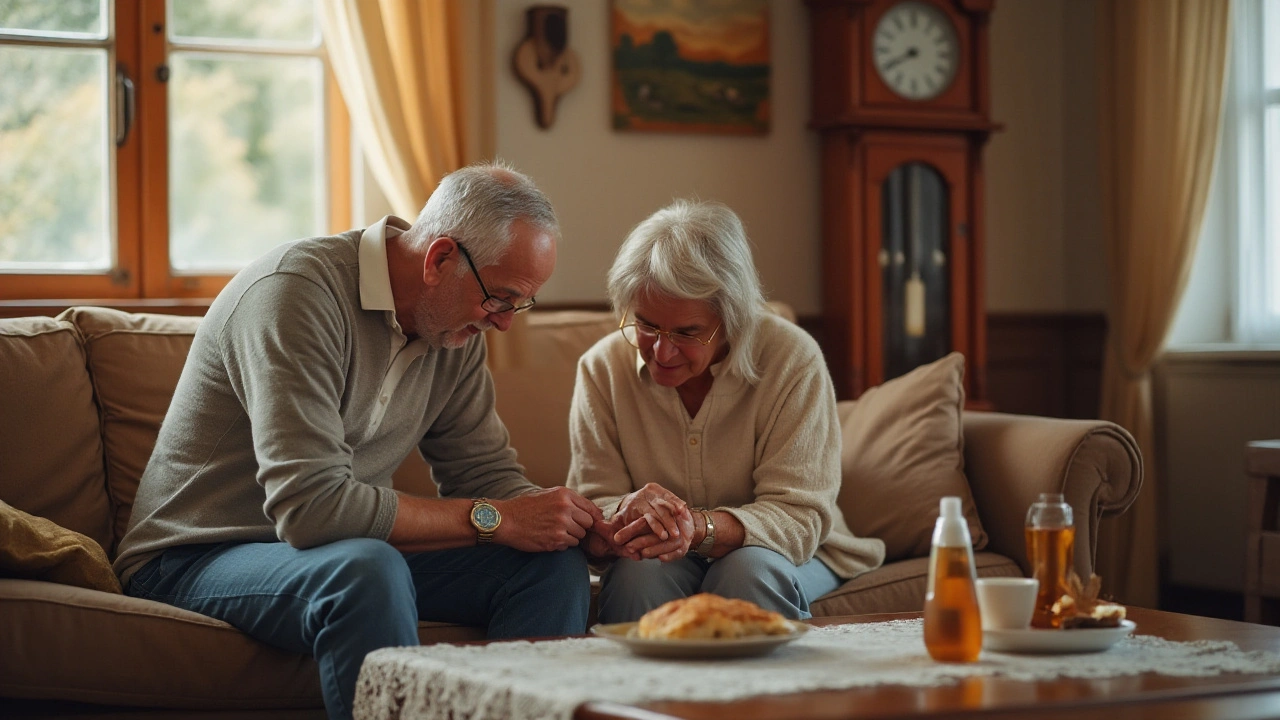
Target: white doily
548, 679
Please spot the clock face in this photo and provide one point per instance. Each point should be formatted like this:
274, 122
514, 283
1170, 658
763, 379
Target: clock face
916, 51
486, 516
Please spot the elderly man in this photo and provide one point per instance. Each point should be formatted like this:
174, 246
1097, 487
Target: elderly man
268, 500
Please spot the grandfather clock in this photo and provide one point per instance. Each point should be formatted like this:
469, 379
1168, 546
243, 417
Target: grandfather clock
901, 99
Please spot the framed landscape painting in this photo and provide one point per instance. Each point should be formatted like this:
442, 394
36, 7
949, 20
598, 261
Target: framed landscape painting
682, 66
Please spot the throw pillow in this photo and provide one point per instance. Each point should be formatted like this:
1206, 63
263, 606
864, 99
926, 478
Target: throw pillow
38, 549
902, 450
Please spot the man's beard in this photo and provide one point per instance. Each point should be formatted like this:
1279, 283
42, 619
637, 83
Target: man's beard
433, 328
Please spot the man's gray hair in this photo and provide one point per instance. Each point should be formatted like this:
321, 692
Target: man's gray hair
695, 250
476, 206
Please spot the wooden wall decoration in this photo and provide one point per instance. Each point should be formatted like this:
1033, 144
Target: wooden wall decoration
544, 62
901, 100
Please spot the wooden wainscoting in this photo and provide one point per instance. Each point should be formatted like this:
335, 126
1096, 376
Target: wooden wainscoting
1046, 363
1037, 363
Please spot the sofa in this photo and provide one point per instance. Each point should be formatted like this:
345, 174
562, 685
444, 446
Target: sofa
82, 396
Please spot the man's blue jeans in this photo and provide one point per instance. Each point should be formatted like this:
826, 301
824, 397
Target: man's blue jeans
340, 601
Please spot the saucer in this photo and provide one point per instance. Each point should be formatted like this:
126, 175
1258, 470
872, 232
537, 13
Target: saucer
1036, 641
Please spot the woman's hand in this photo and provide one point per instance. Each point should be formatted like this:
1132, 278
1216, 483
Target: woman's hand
645, 544
657, 506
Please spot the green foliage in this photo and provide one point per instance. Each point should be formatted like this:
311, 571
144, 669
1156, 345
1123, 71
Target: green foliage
242, 159
74, 16
52, 156
276, 21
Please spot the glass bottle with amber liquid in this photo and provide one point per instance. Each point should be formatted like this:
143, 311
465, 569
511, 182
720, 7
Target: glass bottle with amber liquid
1051, 540
952, 626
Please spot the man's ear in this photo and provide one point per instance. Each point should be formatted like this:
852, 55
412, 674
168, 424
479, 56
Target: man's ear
441, 255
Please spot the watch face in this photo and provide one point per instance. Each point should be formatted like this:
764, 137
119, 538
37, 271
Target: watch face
485, 516
916, 51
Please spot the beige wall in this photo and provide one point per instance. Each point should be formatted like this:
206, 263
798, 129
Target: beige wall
1043, 239
603, 182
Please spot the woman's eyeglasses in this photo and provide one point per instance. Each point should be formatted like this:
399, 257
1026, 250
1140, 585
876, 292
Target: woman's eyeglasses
638, 333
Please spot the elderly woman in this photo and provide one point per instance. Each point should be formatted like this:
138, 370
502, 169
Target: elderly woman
706, 431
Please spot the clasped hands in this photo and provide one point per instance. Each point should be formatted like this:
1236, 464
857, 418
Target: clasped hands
649, 523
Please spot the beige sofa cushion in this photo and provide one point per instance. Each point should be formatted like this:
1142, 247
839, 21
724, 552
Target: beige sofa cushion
899, 586
50, 448
75, 644
40, 549
134, 360
902, 449
59, 641
533, 399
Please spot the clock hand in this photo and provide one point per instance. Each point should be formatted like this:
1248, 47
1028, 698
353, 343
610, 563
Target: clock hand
909, 54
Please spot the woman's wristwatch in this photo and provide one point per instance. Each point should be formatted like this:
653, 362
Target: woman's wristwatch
709, 540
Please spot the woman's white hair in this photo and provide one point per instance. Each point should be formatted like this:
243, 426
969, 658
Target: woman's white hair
476, 206
694, 250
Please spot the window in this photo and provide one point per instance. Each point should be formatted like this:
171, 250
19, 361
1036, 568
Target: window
150, 148
1254, 96
1233, 295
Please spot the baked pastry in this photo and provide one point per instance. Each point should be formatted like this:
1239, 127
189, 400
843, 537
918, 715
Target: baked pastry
1081, 608
707, 616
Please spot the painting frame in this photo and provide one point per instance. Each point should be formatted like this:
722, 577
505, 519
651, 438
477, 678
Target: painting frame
690, 67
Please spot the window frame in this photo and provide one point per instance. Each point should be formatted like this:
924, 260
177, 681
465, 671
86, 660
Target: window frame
137, 44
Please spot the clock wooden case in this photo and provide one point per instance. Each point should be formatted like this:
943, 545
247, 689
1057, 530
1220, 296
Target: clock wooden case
901, 100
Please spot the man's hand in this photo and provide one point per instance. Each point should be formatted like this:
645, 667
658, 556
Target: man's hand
545, 520
657, 506
600, 545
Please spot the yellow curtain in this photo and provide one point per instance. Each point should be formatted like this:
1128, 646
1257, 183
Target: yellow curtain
1163, 71
401, 67
400, 70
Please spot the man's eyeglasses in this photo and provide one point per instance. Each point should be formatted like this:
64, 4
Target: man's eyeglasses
638, 333
491, 304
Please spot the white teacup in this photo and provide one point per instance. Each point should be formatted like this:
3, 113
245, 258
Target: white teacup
1007, 603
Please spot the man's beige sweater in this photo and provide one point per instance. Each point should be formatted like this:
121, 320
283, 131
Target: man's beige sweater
768, 454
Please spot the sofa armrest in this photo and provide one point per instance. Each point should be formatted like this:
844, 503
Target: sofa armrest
1010, 459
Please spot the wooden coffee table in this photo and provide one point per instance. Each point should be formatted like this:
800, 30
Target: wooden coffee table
1142, 696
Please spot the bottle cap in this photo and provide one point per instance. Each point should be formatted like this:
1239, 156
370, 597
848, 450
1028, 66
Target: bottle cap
950, 507
951, 530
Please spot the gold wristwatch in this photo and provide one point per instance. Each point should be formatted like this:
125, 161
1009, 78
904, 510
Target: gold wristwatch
709, 540
485, 518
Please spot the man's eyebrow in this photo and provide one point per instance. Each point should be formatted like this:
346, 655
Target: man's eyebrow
508, 294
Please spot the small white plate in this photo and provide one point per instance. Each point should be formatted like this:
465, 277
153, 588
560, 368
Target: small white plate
1080, 640
736, 647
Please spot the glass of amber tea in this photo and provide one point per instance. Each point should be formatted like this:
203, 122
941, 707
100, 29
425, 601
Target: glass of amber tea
1051, 539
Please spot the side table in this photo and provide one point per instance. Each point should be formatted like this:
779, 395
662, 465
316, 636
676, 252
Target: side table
1262, 552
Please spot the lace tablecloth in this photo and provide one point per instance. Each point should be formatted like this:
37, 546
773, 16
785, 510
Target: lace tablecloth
548, 679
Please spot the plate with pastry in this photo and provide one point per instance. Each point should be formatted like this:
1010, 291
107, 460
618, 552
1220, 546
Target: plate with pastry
704, 626
1085, 624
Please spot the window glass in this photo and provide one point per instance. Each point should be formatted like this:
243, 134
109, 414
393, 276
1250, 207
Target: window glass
246, 157
278, 22
1271, 133
66, 18
54, 158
